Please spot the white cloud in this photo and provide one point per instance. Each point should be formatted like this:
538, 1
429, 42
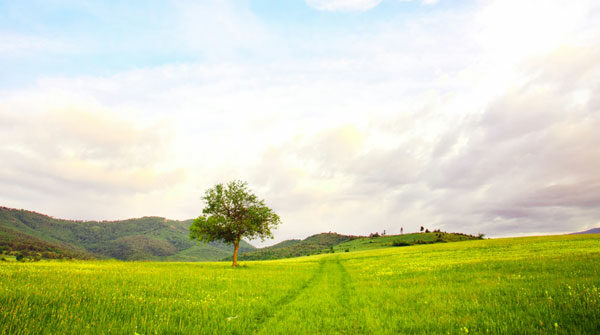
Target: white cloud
217, 28
76, 151
19, 44
343, 5
409, 123
353, 5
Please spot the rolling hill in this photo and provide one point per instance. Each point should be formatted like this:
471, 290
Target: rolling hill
147, 238
386, 241
332, 242
160, 239
312, 245
590, 231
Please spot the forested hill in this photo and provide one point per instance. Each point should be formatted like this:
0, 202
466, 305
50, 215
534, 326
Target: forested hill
314, 244
147, 238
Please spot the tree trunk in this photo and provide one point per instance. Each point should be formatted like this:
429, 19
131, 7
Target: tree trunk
235, 251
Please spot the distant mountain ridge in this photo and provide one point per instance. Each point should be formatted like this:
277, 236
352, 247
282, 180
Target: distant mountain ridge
590, 231
146, 238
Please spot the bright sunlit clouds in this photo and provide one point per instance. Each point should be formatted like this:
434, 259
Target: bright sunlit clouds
348, 116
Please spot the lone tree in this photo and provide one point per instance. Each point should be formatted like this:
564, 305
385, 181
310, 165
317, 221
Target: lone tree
232, 211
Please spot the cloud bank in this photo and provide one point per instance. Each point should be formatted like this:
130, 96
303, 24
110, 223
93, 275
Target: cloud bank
345, 5
481, 128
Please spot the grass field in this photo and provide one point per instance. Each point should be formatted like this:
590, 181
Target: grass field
533, 285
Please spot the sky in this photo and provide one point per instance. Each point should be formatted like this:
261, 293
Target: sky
353, 116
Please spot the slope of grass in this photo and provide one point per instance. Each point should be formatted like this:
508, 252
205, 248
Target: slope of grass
386, 241
506, 286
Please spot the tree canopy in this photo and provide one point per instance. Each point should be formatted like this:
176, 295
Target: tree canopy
233, 212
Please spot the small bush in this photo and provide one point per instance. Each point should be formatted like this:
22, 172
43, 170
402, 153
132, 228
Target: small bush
400, 244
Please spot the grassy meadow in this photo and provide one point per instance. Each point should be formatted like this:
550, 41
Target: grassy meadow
532, 285
386, 241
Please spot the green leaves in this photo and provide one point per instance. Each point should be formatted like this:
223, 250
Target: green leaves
232, 212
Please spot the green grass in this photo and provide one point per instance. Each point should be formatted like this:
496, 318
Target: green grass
548, 285
369, 243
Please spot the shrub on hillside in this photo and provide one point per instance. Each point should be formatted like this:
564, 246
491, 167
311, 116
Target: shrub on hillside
400, 244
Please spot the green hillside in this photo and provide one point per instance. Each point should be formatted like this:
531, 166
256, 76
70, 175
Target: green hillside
531, 285
15, 242
386, 241
312, 245
147, 238
326, 242
286, 243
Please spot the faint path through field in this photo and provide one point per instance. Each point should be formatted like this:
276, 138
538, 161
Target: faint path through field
322, 304
269, 311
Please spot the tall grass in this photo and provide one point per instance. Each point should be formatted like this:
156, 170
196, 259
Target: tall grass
510, 286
